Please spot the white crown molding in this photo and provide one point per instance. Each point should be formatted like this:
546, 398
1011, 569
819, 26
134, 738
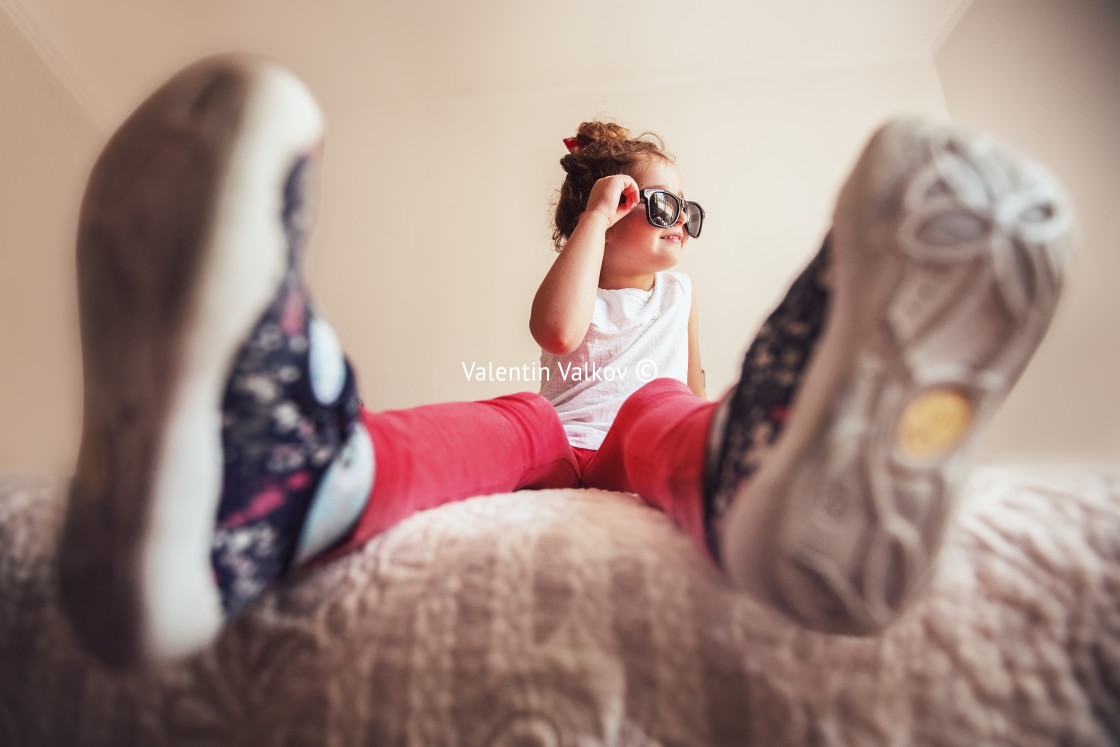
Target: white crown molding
949, 26
56, 62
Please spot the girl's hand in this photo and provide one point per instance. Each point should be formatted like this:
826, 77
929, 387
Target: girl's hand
613, 197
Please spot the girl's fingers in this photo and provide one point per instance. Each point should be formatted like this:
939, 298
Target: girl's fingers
630, 193
628, 197
615, 196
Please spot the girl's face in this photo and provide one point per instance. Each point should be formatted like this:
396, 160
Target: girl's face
634, 247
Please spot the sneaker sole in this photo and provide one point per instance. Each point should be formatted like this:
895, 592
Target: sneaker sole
949, 257
160, 330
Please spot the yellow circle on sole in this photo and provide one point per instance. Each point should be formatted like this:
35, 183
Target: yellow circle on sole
933, 423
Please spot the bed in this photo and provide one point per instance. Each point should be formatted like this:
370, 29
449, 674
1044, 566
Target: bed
582, 617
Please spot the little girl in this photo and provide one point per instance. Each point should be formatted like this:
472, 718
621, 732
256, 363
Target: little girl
224, 444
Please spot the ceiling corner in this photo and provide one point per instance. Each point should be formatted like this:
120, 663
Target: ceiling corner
949, 26
73, 83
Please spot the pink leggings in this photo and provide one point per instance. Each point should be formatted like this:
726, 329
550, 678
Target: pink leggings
432, 455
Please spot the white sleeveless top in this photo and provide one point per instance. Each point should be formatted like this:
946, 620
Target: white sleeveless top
635, 336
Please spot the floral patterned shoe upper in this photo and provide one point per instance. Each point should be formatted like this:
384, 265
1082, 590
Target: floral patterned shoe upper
291, 438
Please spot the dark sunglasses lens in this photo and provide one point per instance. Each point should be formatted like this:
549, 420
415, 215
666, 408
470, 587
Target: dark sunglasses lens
695, 220
662, 209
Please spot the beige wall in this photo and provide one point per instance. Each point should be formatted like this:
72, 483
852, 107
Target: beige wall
434, 226
434, 230
1046, 76
46, 142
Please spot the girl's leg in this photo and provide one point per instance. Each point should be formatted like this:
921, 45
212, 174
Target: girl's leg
947, 255
656, 448
432, 455
664, 445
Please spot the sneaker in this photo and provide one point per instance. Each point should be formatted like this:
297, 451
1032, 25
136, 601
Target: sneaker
221, 443
948, 254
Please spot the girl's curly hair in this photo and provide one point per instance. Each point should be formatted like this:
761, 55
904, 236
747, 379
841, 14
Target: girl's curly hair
604, 149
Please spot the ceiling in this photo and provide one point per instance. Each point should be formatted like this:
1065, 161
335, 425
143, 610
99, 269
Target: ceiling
109, 53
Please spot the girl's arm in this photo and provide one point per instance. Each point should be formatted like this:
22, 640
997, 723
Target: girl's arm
565, 301
695, 371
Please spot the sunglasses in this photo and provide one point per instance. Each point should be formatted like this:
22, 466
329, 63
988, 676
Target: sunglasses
664, 208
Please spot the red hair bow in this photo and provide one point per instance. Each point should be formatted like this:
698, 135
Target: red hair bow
573, 144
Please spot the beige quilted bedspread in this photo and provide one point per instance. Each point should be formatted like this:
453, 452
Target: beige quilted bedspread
585, 618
